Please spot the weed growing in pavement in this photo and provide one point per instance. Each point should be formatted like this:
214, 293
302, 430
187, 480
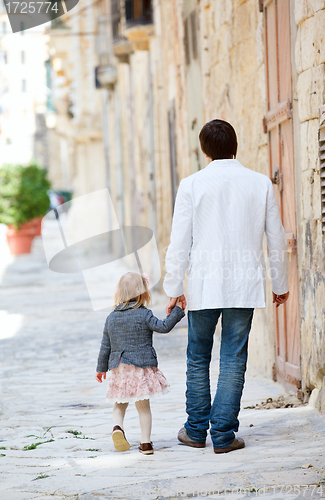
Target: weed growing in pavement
3, 448
77, 435
92, 457
93, 449
40, 437
2, 454
42, 476
33, 446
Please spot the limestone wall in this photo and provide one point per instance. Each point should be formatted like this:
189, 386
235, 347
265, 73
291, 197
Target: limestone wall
310, 66
163, 97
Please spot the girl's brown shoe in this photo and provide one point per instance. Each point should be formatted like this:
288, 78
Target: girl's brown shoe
119, 439
146, 448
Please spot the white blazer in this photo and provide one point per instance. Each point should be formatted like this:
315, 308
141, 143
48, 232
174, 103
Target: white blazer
220, 216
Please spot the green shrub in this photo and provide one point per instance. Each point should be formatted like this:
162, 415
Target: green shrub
23, 194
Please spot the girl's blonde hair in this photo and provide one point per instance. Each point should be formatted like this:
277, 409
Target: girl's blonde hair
132, 287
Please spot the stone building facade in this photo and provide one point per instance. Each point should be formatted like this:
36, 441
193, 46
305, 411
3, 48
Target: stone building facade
168, 67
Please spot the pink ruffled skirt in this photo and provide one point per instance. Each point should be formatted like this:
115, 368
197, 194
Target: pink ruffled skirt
128, 383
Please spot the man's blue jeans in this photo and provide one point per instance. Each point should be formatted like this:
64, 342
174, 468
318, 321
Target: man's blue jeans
223, 415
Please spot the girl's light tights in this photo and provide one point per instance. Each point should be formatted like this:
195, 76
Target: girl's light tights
143, 407
145, 419
119, 410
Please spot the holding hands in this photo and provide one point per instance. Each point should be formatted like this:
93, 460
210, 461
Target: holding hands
176, 301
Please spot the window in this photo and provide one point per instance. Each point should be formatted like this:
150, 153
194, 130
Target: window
23, 59
22, 27
4, 28
8, 141
138, 12
5, 57
23, 85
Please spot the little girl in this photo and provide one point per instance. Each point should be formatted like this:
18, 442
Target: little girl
126, 350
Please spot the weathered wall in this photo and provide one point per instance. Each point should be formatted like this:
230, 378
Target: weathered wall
228, 79
77, 151
310, 66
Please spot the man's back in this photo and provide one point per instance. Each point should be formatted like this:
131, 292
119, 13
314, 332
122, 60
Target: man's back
221, 213
220, 216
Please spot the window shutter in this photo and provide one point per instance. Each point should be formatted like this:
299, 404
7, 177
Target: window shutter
322, 162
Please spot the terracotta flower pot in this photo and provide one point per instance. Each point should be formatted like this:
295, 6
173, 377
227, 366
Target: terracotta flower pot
28, 225
38, 225
20, 240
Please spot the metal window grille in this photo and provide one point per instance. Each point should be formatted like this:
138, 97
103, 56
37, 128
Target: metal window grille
129, 10
322, 162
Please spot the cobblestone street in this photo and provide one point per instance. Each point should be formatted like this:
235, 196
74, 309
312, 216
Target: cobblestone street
55, 424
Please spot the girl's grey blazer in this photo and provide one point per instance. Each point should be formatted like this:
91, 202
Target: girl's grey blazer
127, 336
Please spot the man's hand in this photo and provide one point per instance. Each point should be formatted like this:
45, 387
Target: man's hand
99, 376
172, 303
280, 299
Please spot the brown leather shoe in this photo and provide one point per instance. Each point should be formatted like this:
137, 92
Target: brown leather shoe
237, 444
185, 439
146, 448
119, 439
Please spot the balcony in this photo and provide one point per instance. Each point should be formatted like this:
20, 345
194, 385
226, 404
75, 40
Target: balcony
138, 23
132, 26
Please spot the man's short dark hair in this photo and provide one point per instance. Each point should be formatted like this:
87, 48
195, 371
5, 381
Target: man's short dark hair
218, 140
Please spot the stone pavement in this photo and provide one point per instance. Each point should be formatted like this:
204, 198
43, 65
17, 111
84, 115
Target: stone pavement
55, 424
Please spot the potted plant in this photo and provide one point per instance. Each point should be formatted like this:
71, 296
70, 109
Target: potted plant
38, 177
23, 197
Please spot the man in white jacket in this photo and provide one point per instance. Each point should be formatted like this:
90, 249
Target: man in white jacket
221, 214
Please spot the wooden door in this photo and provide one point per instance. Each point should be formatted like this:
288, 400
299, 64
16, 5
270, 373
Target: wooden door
279, 127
